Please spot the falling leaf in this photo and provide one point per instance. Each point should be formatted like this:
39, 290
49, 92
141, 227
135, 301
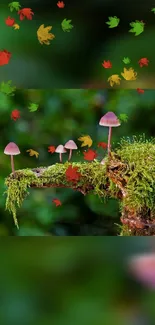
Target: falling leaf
4, 57
87, 141
66, 25
44, 37
113, 22
129, 74
10, 21
143, 62
103, 145
57, 202
72, 174
137, 27
114, 79
33, 107
5, 88
15, 114
107, 64
25, 13
33, 153
16, 26
90, 154
126, 60
123, 117
51, 149
60, 4
140, 91
153, 10
14, 6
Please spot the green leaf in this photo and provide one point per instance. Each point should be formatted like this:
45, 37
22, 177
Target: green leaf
123, 117
33, 107
113, 22
137, 27
153, 10
7, 89
126, 60
14, 6
66, 25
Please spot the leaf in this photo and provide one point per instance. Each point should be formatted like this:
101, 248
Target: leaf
137, 27
57, 202
114, 79
123, 117
140, 91
129, 74
143, 62
90, 154
4, 57
51, 149
14, 6
153, 10
60, 4
25, 13
113, 22
15, 114
33, 107
66, 25
33, 153
87, 141
107, 64
72, 174
126, 60
102, 145
10, 21
44, 37
5, 88
16, 26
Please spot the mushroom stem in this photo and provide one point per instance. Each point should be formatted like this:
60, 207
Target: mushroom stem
109, 140
60, 157
12, 165
70, 155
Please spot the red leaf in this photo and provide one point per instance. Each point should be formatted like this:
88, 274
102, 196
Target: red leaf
60, 4
103, 145
57, 202
90, 154
15, 115
72, 174
143, 62
10, 21
25, 13
140, 91
107, 64
4, 57
51, 149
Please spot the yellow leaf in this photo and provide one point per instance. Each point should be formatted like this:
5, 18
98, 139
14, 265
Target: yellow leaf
33, 153
87, 141
129, 74
16, 26
44, 37
114, 79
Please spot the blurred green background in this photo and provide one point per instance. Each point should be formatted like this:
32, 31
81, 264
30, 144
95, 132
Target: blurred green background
65, 114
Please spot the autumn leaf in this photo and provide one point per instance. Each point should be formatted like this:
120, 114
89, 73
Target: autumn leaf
15, 114
33, 107
57, 202
25, 13
126, 60
129, 74
51, 149
14, 6
123, 117
60, 4
66, 25
143, 62
137, 27
10, 21
107, 64
140, 91
90, 154
114, 79
72, 174
6, 88
33, 153
44, 37
16, 26
102, 145
87, 141
4, 57
113, 22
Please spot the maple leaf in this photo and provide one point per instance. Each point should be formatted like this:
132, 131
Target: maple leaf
15, 114
129, 74
51, 149
33, 107
25, 13
60, 4
153, 10
137, 27
114, 79
44, 37
113, 22
87, 141
33, 153
10, 21
90, 154
103, 145
16, 26
126, 60
123, 117
57, 202
72, 174
140, 91
14, 6
66, 25
5, 88
107, 64
143, 62
4, 57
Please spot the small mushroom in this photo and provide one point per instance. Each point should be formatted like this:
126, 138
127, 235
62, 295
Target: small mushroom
12, 150
110, 120
60, 149
71, 145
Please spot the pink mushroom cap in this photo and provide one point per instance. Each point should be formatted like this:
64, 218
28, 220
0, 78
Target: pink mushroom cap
60, 149
143, 268
110, 120
70, 145
11, 149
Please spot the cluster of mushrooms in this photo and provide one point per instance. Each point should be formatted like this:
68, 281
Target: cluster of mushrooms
108, 120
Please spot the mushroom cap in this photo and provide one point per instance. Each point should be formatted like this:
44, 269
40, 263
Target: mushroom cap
60, 149
143, 268
109, 119
70, 145
11, 149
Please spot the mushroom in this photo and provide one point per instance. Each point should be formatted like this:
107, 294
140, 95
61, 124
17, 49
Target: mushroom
12, 150
110, 120
60, 149
71, 145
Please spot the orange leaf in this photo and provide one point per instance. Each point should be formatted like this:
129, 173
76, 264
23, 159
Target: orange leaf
90, 154
10, 21
72, 174
103, 145
60, 4
51, 149
15, 115
57, 202
25, 13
